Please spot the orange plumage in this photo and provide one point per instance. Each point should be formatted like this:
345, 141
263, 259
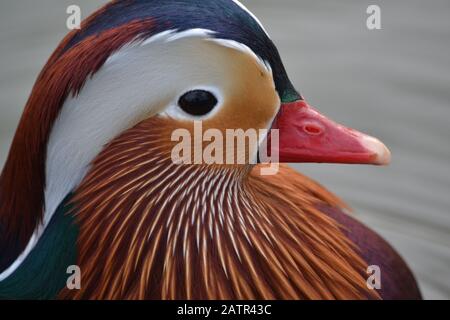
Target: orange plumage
206, 232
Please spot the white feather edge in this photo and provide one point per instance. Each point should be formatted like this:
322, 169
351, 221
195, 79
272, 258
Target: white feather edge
251, 15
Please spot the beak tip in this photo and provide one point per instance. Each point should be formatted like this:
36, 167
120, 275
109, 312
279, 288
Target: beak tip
380, 151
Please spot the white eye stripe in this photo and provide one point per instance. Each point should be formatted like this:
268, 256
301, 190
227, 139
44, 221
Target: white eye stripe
245, 49
205, 34
162, 36
191, 33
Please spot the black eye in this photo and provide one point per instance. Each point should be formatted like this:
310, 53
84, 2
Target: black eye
197, 102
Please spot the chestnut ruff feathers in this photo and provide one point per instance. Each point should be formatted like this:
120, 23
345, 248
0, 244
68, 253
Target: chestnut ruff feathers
150, 229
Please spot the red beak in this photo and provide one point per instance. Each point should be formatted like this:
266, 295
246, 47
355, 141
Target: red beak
307, 136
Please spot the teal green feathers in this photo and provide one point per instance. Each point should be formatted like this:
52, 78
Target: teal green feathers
44, 272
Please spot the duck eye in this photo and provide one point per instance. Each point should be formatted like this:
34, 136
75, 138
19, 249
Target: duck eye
197, 102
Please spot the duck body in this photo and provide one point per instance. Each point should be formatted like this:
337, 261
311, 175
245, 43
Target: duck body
90, 180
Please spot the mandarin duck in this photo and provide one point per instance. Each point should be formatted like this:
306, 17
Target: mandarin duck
90, 180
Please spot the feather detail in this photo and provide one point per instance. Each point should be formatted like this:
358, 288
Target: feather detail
150, 229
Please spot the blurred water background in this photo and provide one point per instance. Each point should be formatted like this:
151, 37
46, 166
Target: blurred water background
393, 83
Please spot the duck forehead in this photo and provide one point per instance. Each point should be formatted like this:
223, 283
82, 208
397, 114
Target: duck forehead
228, 19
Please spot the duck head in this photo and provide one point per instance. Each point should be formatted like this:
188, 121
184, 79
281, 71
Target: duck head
110, 97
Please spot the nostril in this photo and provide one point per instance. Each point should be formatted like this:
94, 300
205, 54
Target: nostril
313, 129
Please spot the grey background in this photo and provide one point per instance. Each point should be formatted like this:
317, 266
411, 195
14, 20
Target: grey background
393, 83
